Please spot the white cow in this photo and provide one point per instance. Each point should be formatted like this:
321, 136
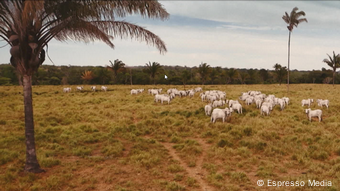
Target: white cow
104, 88
133, 91
265, 109
220, 114
93, 88
231, 102
314, 113
269, 105
323, 102
258, 102
282, 103
158, 97
198, 89
165, 98
237, 106
286, 100
80, 88
306, 102
208, 109
66, 90
218, 103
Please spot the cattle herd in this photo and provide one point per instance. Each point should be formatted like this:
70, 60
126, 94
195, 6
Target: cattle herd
81, 88
217, 98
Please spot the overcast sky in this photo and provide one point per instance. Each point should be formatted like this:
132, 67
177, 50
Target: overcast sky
232, 34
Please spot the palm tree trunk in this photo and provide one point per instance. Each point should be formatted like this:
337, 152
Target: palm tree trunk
333, 77
115, 80
32, 164
288, 60
19, 78
130, 77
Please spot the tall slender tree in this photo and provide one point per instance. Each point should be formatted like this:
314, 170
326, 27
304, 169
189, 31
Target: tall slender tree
281, 72
153, 69
204, 70
116, 67
293, 20
334, 63
28, 26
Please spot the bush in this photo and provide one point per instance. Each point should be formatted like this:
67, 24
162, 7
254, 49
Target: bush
5, 81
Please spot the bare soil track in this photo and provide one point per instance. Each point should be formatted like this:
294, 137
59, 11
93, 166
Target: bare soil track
197, 172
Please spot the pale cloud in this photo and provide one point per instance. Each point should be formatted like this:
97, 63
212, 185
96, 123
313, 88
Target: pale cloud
233, 34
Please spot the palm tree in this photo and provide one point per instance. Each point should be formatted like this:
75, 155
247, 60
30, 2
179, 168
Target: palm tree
28, 26
153, 69
334, 63
116, 67
204, 71
87, 76
280, 71
231, 75
292, 20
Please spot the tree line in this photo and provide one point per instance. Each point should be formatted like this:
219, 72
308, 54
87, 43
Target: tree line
154, 73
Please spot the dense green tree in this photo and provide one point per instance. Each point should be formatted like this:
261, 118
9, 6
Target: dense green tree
5, 81
102, 75
243, 76
54, 81
264, 74
129, 74
293, 20
185, 77
204, 70
252, 79
140, 77
215, 75
28, 26
281, 72
231, 75
40, 77
333, 62
7, 71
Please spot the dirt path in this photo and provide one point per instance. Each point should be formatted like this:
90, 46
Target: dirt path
196, 172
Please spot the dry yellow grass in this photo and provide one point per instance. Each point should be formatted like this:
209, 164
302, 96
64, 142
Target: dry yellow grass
115, 141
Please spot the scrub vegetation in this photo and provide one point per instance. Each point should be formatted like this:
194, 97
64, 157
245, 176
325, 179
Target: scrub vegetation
116, 141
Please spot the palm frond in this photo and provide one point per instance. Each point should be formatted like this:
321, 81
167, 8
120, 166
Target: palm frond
302, 20
80, 30
150, 9
286, 18
124, 29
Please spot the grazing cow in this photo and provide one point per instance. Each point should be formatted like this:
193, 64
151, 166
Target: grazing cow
220, 114
66, 90
104, 88
80, 88
314, 113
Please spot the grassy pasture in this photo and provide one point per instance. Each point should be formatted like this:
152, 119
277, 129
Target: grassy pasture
114, 141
